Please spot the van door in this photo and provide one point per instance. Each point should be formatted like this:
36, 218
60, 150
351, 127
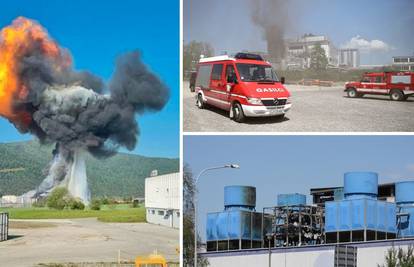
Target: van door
379, 85
218, 92
366, 84
230, 80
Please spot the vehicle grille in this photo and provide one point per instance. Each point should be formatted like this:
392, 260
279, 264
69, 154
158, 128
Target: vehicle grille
274, 102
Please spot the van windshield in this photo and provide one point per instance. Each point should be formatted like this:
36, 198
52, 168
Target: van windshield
256, 73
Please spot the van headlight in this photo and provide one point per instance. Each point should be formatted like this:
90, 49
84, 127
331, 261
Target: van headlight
254, 101
289, 100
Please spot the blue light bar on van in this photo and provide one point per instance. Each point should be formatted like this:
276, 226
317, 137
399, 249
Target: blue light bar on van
248, 56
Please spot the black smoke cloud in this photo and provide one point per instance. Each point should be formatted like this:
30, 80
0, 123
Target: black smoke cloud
69, 108
131, 74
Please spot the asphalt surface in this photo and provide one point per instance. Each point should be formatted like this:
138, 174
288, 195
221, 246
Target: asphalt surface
314, 109
85, 240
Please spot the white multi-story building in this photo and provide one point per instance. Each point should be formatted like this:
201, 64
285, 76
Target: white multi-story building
403, 63
299, 51
349, 58
162, 199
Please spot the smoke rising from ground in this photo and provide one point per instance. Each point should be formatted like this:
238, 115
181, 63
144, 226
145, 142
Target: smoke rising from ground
272, 17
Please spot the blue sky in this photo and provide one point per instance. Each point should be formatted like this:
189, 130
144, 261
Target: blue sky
96, 32
291, 164
228, 27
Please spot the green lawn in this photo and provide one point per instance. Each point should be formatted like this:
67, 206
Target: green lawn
108, 213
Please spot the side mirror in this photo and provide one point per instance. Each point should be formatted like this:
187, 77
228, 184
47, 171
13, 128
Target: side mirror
282, 80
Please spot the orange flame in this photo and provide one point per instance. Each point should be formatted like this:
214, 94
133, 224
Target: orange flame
17, 41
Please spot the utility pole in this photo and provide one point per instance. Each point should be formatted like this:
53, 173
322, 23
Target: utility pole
233, 166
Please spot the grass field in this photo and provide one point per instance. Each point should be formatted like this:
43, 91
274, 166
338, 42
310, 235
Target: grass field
108, 213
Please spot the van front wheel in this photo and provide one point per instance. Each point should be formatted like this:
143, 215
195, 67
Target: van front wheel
352, 93
200, 102
397, 95
238, 114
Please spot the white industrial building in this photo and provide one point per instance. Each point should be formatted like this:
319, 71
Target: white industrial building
403, 63
16, 201
162, 199
348, 58
364, 254
299, 51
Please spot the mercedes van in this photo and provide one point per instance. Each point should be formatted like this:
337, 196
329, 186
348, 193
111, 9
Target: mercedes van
245, 85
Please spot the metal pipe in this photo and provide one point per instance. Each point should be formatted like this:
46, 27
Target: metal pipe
269, 237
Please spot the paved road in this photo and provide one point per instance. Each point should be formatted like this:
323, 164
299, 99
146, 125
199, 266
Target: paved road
85, 240
324, 109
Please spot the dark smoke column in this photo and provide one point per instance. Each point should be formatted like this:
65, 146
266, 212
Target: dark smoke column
272, 17
81, 120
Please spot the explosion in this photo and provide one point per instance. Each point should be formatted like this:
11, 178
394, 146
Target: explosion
40, 93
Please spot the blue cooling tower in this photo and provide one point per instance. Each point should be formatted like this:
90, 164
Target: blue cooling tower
239, 197
238, 226
359, 216
291, 199
404, 197
360, 185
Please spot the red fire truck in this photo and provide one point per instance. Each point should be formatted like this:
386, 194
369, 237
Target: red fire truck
398, 85
245, 85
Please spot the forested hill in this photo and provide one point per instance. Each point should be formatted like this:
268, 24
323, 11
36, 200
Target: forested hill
22, 167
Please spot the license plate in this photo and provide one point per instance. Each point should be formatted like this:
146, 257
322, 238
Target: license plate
276, 111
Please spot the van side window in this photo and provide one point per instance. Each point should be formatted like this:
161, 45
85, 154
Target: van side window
217, 71
378, 79
366, 80
230, 73
203, 76
405, 79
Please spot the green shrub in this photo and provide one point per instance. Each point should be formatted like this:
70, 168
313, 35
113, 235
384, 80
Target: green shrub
135, 204
105, 201
57, 198
95, 204
399, 257
76, 204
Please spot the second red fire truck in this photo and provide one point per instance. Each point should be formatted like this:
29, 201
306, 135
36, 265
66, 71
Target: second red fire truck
398, 85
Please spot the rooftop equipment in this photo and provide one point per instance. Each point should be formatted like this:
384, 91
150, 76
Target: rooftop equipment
293, 222
360, 216
291, 199
404, 197
239, 226
248, 56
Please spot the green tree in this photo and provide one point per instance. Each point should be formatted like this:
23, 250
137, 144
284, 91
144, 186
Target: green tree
318, 59
399, 257
75, 204
58, 198
189, 190
192, 52
95, 204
